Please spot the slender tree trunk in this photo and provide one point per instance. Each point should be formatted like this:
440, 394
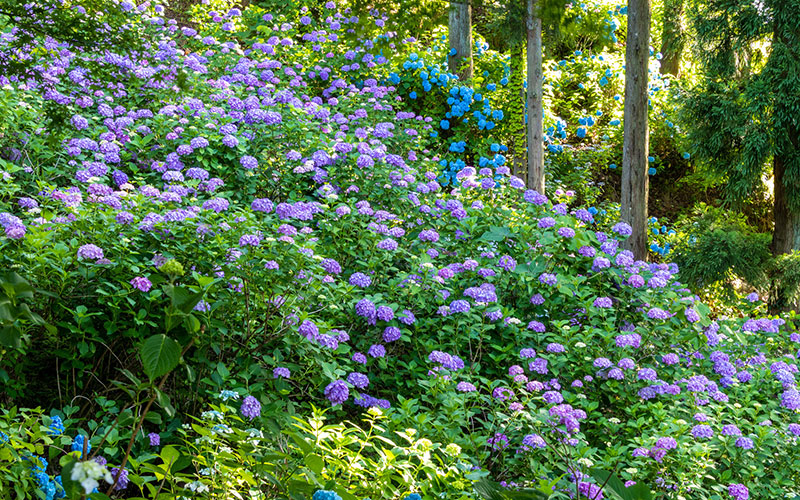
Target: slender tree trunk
672, 38
535, 128
635, 144
460, 35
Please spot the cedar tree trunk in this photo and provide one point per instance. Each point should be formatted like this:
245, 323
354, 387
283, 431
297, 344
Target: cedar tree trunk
460, 36
535, 129
635, 143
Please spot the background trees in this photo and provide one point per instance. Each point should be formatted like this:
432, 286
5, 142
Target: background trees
746, 108
673, 37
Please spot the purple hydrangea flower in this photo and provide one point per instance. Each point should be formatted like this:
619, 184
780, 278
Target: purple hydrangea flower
376, 351
358, 380
537, 326
141, 283
248, 162
553, 397
507, 262
331, 266
738, 491
546, 222
730, 430
384, 313
566, 232
790, 399
666, 443
533, 441
360, 280
702, 431
590, 490
603, 302
602, 363
629, 340
622, 229
121, 477
670, 359
465, 387
252, 240
459, 306
429, 235
90, 251
337, 392
251, 408
391, 334
548, 279
657, 313
366, 309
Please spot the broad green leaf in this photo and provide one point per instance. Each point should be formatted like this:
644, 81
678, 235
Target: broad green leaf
160, 354
10, 336
315, 463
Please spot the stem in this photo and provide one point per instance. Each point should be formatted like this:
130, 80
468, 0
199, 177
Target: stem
113, 424
141, 420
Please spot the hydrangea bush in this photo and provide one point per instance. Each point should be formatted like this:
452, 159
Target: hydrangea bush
265, 195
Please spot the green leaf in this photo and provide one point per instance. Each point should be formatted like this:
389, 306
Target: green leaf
170, 455
616, 487
183, 299
488, 490
315, 463
6, 312
153, 417
346, 495
527, 494
495, 233
10, 336
72, 488
160, 354
302, 443
125, 418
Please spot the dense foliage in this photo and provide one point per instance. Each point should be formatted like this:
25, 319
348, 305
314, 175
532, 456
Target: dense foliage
265, 257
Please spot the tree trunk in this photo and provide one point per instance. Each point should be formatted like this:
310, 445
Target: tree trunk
535, 129
460, 35
786, 233
672, 38
785, 239
635, 144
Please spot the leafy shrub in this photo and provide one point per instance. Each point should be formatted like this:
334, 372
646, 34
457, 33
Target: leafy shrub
715, 246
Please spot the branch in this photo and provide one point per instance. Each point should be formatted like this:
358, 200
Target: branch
141, 420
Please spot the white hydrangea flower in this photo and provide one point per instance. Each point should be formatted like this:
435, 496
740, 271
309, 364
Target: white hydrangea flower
88, 473
197, 487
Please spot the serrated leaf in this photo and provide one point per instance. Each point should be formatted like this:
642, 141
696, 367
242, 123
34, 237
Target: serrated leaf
160, 354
